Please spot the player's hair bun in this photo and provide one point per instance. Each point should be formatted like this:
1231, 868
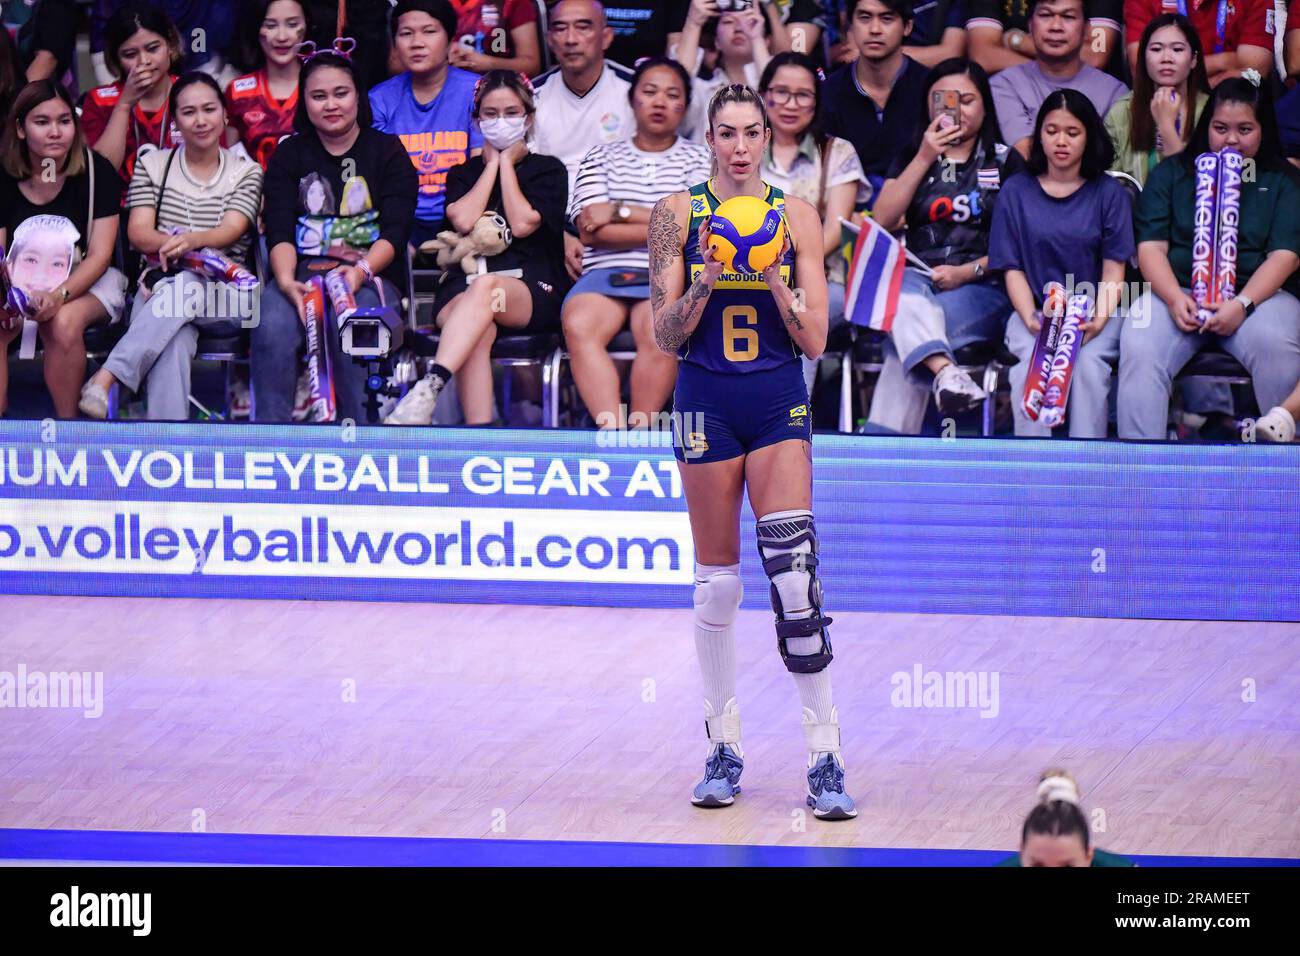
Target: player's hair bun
1058, 785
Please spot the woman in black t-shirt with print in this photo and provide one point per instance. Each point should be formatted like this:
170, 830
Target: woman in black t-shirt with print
338, 193
524, 285
943, 195
59, 238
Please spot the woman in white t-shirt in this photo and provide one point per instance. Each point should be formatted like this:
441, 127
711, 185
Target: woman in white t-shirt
741, 47
822, 170
194, 197
615, 190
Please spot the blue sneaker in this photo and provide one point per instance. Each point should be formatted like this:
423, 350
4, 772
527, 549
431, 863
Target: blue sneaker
825, 770
826, 790
725, 760
721, 780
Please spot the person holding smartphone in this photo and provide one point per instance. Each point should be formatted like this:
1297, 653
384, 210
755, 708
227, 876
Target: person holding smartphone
617, 186
741, 47
944, 195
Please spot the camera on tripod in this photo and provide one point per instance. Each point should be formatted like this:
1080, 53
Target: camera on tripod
371, 334
367, 335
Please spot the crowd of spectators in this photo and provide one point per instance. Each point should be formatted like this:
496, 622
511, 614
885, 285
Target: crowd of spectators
1011, 145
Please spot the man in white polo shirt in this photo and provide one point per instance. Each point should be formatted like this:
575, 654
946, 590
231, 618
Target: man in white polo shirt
582, 102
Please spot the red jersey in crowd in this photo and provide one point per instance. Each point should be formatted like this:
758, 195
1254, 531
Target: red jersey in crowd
152, 130
1222, 25
260, 119
486, 25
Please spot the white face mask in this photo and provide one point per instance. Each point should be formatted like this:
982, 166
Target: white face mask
503, 132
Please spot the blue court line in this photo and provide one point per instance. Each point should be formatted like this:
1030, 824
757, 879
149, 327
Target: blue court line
134, 846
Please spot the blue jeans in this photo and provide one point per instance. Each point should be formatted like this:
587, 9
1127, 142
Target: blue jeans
1087, 413
1153, 350
930, 322
278, 340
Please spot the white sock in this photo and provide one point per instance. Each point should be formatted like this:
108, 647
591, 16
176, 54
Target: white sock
715, 649
814, 689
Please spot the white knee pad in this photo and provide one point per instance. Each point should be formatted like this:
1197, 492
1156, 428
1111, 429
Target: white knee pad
718, 592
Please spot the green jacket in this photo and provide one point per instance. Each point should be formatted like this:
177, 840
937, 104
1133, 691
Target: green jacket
1099, 858
1137, 165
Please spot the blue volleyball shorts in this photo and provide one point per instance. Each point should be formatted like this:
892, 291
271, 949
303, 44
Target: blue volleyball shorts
719, 415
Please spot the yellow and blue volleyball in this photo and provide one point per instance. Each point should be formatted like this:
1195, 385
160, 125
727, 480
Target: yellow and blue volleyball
746, 234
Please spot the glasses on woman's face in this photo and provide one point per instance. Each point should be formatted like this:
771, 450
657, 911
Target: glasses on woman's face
780, 95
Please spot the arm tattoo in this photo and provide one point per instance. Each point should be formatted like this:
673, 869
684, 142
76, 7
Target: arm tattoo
792, 317
670, 327
662, 241
670, 319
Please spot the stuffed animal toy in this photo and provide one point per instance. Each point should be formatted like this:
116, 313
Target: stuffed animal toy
489, 237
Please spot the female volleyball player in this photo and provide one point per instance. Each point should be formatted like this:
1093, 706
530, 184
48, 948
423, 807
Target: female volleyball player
742, 421
1057, 831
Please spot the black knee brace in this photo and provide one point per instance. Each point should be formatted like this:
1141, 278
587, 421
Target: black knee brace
787, 543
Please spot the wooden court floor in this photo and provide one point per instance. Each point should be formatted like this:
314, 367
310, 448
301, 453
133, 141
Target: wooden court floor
586, 724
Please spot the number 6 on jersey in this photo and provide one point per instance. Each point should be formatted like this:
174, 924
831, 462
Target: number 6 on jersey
740, 344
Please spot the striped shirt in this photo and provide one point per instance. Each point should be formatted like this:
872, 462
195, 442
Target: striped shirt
192, 204
620, 173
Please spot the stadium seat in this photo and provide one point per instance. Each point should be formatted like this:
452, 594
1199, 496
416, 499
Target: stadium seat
421, 287
99, 338
520, 351
1211, 364
622, 348
509, 351
1216, 365
984, 362
839, 348
230, 350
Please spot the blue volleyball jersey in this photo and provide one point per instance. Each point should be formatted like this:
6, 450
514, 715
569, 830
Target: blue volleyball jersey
741, 329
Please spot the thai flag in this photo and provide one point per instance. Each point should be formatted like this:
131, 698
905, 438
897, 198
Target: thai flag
875, 278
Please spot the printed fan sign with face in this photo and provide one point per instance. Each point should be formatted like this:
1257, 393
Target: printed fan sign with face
40, 260
42, 255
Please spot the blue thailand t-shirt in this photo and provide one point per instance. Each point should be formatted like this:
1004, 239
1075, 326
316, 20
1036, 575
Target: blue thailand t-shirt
438, 135
1060, 240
